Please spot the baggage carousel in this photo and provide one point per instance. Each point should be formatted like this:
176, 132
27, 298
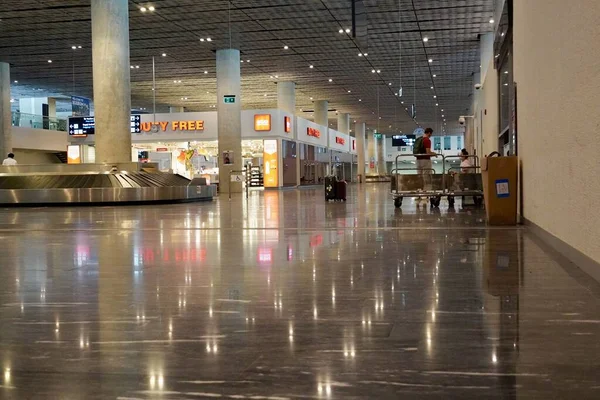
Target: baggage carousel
97, 184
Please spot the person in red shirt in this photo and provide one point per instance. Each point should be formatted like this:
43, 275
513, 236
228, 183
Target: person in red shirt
425, 153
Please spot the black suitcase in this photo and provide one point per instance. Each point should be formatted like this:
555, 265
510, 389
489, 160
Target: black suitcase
340, 191
330, 187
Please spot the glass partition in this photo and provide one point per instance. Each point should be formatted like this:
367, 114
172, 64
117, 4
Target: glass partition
38, 121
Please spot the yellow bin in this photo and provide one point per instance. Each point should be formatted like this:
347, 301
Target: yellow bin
500, 189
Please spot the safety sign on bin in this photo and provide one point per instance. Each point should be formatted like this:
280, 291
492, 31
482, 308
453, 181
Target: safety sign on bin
502, 188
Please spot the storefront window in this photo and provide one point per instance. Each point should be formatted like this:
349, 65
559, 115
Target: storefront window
459, 143
289, 155
447, 143
437, 143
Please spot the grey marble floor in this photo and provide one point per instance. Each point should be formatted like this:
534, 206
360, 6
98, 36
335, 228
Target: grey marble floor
284, 297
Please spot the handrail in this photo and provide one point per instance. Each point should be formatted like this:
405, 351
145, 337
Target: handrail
419, 155
461, 157
38, 121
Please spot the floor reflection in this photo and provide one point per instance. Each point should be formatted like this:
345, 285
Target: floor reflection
285, 296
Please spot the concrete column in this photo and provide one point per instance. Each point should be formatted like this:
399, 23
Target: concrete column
322, 112
112, 86
382, 164
371, 154
359, 129
344, 123
229, 117
176, 109
286, 96
51, 107
5, 116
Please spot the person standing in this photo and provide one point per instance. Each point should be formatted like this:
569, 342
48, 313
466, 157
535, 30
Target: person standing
10, 160
423, 153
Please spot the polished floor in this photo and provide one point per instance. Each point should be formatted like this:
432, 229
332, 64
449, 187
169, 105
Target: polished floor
286, 297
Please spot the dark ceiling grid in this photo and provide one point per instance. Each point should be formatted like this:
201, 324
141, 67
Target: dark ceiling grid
31, 32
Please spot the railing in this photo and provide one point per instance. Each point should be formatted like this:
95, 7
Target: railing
38, 121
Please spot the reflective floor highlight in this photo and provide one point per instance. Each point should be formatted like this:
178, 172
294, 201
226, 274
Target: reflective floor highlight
284, 296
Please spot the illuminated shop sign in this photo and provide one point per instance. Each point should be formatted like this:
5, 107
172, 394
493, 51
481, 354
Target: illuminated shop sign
175, 126
287, 124
270, 159
262, 122
313, 132
340, 140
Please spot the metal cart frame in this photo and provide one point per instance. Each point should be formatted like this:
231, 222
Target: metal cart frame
464, 184
413, 185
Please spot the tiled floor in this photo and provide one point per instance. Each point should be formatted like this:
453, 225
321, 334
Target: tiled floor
288, 297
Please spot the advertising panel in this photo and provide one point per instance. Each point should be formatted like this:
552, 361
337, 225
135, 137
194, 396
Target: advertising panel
270, 159
80, 106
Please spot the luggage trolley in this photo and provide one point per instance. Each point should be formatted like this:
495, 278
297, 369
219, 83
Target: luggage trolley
464, 183
417, 185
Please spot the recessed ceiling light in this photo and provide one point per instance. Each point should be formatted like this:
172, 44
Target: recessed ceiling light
330, 80
360, 54
151, 8
143, 9
202, 39
164, 54
432, 88
241, 61
137, 67
426, 39
208, 39
506, 72
378, 71
401, 102
434, 75
78, 47
430, 60
132, 67
442, 116
492, 21
359, 99
442, 110
396, 94
341, 31
502, 34
16, 81
437, 104
271, 76
349, 91
435, 97
311, 66
206, 72
265, 95
276, 76
285, 47
311, 98
390, 84
348, 30
74, 47
50, 61
366, 54
247, 60
373, 71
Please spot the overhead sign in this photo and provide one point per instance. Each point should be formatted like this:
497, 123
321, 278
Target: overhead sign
174, 125
287, 124
340, 140
83, 126
378, 135
229, 99
80, 106
262, 122
313, 132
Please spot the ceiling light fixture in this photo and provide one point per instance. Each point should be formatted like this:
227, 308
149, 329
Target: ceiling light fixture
437, 104
359, 99
372, 71
430, 60
360, 54
164, 54
137, 67
492, 21
49, 61
206, 72
208, 39
276, 76
341, 31
74, 47
434, 75
426, 39
435, 97
16, 81
311, 98
502, 34
151, 8
432, 88
311, 66
247, 60
271, 76
378, 71
143, 9
366, 54
390, 84
348, 30
349, 91
285, 47
202, 39
330, 80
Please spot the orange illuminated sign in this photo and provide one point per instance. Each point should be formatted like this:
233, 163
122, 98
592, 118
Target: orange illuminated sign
262, 122
313, 132
270, 159
175, 126
340, 140
73, 154
287, 124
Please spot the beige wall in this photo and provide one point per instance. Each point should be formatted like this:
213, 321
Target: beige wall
557, 70
29, 157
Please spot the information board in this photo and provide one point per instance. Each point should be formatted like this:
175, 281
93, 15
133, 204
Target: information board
83, 126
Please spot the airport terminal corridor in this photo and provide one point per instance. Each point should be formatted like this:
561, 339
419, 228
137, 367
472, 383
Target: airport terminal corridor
285, 296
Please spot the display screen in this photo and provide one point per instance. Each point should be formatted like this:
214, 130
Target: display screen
403, 140
82, 126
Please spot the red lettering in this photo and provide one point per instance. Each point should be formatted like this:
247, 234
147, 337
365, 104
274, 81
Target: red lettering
313, 132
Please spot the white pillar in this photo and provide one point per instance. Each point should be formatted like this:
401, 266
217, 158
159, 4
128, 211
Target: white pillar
112, 86
229, 117
176, 109
359, 129
344, 123
5, 116
382, 164
322, 112
286, 97
372, 154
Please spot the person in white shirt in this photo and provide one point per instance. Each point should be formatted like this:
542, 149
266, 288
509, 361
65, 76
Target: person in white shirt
466, 166
10, 160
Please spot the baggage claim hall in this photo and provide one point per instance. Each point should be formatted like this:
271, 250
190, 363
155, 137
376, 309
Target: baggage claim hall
315, 199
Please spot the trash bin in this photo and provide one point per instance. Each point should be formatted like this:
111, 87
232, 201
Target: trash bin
500, 189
